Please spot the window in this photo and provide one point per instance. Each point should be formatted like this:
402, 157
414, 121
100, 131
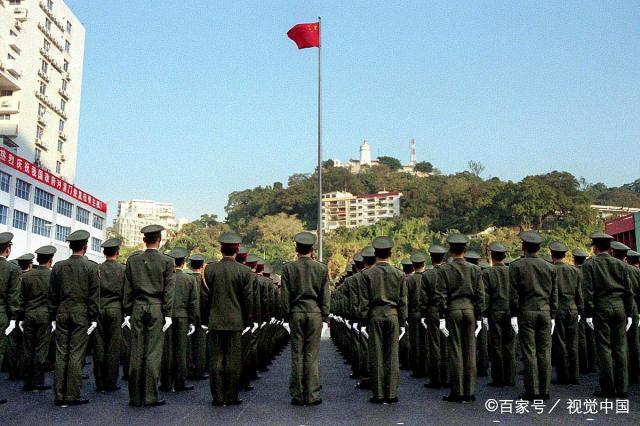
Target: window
98, 221
44, 66
22, 189
95, 244
5, 179
69, 27
58, 167
60, 145
39, 132
38, 155
20, 220
5, 116
15, 2
82, 215
62, 232
43, 88
41, 110
63, 104
65, 65
43, 199
50, 5
6, 92
67, 46
41, 227
4, 214
61, 125
47, 24
64, 207
64, 84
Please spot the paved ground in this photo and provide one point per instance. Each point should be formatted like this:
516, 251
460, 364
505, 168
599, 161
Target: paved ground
269, 404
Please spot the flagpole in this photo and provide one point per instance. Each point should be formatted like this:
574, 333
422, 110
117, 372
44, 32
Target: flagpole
319, 144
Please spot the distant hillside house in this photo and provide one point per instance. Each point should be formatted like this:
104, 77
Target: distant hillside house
343, 209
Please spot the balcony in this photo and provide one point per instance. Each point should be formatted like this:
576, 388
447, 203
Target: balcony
41, 120
63, 93
43, 75
42, 144
12, 68
8, 128
20, 14
9, 105
13, 43
62, 135
66, 75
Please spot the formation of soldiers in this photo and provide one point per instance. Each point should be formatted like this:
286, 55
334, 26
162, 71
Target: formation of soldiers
170, 318
460, 317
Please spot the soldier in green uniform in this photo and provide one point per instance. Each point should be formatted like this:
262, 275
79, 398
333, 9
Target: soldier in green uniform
108, 339
460, 296
404, 347
198, 368
252, 340
14, 352
305, 302
186, 312
227, 315
586, 340
482, 341
497, 319
608, 308
34, 294
570, 309
10, 277
533, 304
417, 333
125, 354
385, 301
148, 306
430, 311
369, 258
73, 309
633, 259
352, 297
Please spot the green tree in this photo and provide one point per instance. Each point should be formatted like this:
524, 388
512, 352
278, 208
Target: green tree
392, 163
424, 167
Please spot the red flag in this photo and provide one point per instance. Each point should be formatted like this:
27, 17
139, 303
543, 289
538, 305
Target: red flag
305, 35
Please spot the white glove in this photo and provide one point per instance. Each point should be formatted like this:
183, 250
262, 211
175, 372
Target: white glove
21, 326
272, 320
286, 327
638, 320
204, 327
263, 324
485, 322
255, 327
92, 327
424, 323
553, 325
579, 318
12, 326
478, 328
514, 324
325, 327
363, 330
443, 327
590, 323
53, 326
629, 321
246, 330
402, 331
167, 324
355, 326
192, 329
126, 322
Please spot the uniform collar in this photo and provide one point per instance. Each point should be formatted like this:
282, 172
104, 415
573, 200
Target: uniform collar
603, 255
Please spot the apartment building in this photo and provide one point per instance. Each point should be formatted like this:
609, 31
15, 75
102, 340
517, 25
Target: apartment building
343, 209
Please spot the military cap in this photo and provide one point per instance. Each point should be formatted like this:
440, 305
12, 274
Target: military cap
196, 258
178, 253
229, 238
46, 250
531, 237
548, 258
382, 243
368, 251
150, 229
260, 262
457, 239
242, 250
26, 256
6, 237
472, 255
436, 249
111, 243
497, 248
618, 246
79, 235
418, 257
558, 247
632, 254
305, 238
267, 269
600, 236
484, 264
358, 258
406, 262
579, 253
252, 258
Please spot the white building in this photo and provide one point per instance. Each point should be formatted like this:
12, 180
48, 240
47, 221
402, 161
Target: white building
41, 60
133, 215
356, 166
343, 209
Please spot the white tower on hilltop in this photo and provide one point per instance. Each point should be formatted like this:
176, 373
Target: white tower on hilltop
365, 154
413, 161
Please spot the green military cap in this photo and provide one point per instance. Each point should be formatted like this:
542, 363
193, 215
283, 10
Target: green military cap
358, 258
305, 238
382, 243
472, 255
6, 237
252, 258
579, 253
229, 238
46, 250
267, 269
457, 239
548, 258
111, 243
406, 262
558, 247
368, 251
79, 235
633, 254
531, 237
242, 250
484, 264
600, 236
418, 257
437, 249
26, 256
618, 246
497, 248
150, 229
196, 258
178, 253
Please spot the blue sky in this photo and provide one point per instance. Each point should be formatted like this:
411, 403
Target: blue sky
189, 101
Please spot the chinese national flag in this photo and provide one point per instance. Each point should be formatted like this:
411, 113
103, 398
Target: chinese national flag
305, 35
